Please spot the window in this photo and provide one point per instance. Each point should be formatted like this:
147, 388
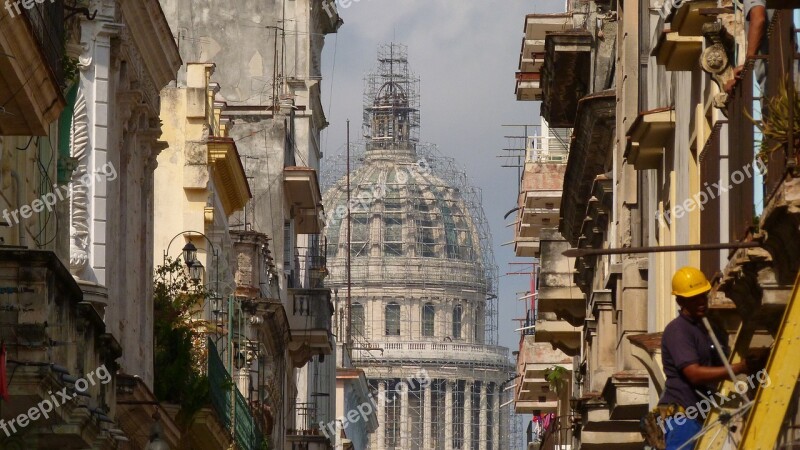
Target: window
428, 318
393, 235
287, 244
427, 237
359, 245
457, 311
357, 319
393, 319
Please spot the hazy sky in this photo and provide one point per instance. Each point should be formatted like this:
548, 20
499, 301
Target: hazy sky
466, 53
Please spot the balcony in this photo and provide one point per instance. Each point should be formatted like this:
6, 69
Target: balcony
38, 290
302, 192
526, 247
594, 228
532, 53
312, 268
31, 68
539, 202
534, 393
589, 156
136, 405
210, 428
565, 75
627, 392
648, 134
310, 323
229, 175
688, 19
560, 334
678, 52
557, 291
308, 436
528, 86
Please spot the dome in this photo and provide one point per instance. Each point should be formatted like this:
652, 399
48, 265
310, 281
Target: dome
408, 226
418, 240
421, 293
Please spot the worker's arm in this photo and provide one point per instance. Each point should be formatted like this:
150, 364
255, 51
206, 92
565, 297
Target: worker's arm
758, 27
697, 374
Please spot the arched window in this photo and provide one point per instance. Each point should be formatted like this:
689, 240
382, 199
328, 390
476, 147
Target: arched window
357, 319
428, 318
477, 325
393, 319
457, 312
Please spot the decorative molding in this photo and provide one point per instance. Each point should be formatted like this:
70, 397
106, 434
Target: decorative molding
151, 36
714, 60
79, 196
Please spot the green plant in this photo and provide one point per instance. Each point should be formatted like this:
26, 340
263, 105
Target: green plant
179, 332
775, 126
70, 66
557, 377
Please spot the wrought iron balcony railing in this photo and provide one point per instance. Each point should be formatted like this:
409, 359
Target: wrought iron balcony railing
47, 23
246, 432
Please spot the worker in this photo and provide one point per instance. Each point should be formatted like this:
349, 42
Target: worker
691, 363
756, 18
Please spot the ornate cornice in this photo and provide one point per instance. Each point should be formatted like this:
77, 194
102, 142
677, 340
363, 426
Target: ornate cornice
151, 34
229, 175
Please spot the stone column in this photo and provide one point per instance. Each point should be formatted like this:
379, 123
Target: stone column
448, 415
482, 421
468, 415
427, 417
496, 402
380, 432
405, 417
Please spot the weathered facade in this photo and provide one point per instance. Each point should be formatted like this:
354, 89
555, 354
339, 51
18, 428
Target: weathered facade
199, 184
78, 136
268, 59
662, 155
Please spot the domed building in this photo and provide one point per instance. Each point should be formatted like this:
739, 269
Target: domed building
421, 289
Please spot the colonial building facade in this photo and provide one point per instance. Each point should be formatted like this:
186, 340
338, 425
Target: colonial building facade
665, 151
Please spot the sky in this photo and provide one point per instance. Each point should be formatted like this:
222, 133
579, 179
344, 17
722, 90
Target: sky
466, 53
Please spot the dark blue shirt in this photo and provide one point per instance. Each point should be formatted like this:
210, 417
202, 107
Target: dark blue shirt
684, 342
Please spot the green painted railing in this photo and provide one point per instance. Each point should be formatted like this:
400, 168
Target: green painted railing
248, 436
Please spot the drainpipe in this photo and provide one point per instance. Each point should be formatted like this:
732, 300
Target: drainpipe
18, 188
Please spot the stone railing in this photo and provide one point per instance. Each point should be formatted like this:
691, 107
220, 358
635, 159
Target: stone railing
440, 351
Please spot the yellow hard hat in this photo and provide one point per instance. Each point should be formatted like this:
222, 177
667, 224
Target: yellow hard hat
689, 281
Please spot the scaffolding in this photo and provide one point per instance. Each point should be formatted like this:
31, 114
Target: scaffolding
470, 407
423, 291
447, 216
391, 101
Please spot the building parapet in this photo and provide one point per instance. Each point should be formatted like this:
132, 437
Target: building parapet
590, 155
450, 352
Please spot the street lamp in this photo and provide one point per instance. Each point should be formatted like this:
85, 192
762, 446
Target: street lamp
189, 253
195, 270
